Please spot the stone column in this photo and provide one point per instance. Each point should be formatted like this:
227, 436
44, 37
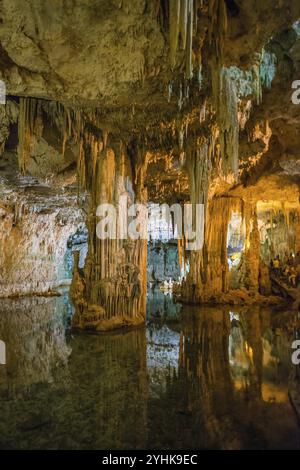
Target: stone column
250, 264
209, 272
111, 290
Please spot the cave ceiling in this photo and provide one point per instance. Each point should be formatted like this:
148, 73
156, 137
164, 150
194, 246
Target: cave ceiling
114, 57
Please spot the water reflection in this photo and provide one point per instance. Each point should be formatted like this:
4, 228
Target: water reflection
211, 379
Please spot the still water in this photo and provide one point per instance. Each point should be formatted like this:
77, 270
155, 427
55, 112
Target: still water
198, 378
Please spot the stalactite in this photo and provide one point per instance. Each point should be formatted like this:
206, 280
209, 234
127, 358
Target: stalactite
224, 92
225, 101
29, 122
181, 25
218, 27
199, 166
257, 84
174, 17
189, 45
184, 4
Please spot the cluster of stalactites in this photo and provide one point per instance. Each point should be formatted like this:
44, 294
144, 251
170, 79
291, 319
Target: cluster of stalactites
72, 125
224, 91
30, 123
182, 19
226, 105
218, 27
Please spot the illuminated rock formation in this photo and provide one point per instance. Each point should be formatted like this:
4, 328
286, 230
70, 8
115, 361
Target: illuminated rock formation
111, 291
35, 226
172, 101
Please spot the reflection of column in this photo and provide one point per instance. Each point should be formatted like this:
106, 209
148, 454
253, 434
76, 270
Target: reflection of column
204, 351
204, 373
108, 392
252, 335
95, 398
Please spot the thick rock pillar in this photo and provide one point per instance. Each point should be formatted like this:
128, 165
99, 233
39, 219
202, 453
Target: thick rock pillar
209, 272
111, 290
250, 264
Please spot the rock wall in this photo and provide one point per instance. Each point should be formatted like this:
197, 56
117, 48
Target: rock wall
33, 241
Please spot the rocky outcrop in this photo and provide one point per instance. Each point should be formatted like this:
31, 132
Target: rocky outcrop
36, 224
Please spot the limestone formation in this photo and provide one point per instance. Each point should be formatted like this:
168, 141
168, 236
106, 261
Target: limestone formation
173, 101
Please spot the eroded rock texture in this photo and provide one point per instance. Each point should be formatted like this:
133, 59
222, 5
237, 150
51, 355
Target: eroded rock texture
35, 227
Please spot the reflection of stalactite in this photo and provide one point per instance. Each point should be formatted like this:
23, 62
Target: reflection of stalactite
204, 369
252, 333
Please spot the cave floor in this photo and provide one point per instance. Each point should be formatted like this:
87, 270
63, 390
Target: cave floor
198, 378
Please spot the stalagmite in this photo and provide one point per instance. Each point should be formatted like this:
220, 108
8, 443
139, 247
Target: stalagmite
184, 5
208, 278
29, 120
174, 17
